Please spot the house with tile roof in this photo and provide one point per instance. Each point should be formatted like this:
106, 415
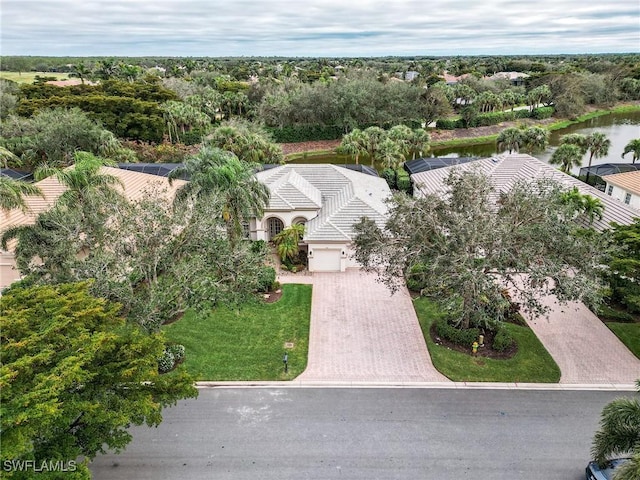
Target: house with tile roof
506, 170
328, 200
624, 187
134, 185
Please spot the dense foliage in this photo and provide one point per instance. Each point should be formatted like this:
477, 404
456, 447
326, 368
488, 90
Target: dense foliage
75, 376
465, 250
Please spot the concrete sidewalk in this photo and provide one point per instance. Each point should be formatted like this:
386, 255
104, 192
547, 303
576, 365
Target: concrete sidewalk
361, 333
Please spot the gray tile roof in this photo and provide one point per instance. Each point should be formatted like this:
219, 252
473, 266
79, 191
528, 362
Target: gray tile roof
506, 170
342, 197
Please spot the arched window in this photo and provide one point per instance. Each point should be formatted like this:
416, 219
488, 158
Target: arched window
274, 227
299, 221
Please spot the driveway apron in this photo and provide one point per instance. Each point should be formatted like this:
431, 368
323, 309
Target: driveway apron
586, 351
361, 333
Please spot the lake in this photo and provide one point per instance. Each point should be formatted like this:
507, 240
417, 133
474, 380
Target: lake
620, 128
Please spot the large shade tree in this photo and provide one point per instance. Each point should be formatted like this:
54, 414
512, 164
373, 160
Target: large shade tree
75, 376
466, 248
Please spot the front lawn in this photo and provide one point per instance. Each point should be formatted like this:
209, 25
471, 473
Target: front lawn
628, 333
248, 343
531, 364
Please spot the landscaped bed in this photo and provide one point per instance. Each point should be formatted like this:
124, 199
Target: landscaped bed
530, 364
248, 343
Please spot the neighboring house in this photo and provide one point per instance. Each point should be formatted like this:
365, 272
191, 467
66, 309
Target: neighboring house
516, 78
135, 184
505, 170
624, 187
328, 200
452, 79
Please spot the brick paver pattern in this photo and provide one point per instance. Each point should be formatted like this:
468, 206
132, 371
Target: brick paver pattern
586, 351
361, 333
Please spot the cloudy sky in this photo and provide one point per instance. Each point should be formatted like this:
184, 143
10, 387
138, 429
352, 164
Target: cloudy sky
317, 27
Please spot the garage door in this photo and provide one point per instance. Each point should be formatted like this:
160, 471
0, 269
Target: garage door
326, 260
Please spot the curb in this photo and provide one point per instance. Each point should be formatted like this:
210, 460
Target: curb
618, 387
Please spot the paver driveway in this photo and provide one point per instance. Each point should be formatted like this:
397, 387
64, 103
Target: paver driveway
361, 333
586, 351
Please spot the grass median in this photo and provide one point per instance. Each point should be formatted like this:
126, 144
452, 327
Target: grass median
247, 343
531, 364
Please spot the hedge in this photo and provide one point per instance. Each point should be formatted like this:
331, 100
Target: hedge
463, 337
305, 133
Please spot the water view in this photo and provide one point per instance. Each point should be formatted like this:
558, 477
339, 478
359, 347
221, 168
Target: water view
620, 128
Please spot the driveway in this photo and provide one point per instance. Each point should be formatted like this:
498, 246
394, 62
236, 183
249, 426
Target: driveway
361, 333
586, 351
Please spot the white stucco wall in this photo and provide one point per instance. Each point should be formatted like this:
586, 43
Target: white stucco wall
346, 253
8, 270
258, 227
620, 194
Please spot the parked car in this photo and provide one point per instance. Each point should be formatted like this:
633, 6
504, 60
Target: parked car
606, 472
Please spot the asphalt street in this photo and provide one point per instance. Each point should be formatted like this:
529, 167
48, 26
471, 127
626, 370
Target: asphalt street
359, 433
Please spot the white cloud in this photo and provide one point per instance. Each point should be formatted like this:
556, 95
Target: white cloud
316, 27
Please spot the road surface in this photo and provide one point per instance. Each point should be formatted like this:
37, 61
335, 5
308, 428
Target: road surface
328, 433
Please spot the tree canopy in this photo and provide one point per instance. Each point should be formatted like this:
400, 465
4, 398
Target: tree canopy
465, 248
75, 375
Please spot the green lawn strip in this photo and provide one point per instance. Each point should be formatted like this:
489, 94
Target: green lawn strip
628, 333
29, 77
248, 343
532, 363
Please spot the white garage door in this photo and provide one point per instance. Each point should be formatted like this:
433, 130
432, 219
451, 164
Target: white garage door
326, 260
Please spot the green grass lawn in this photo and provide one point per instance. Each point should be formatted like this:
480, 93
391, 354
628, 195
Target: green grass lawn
628, 333
248, 343
29, 77
532, 363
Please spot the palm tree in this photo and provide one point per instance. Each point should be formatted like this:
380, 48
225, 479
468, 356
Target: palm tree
576, 139
12, 193
511, 139
535, 139
215, 173
633, 146
374, 136
619, 434
81, 71
353, 143
597, 145
592, 207
418, 143
7, 156
287, 241
567, 156
86, 180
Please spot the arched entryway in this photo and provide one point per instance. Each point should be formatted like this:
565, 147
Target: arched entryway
274, 227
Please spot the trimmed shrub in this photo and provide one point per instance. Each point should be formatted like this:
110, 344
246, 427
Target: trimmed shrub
541, 113
415, 277
449, 123
166, 362
464, 338
404, 182
266, 279
389, 176
177, 351
502, 340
